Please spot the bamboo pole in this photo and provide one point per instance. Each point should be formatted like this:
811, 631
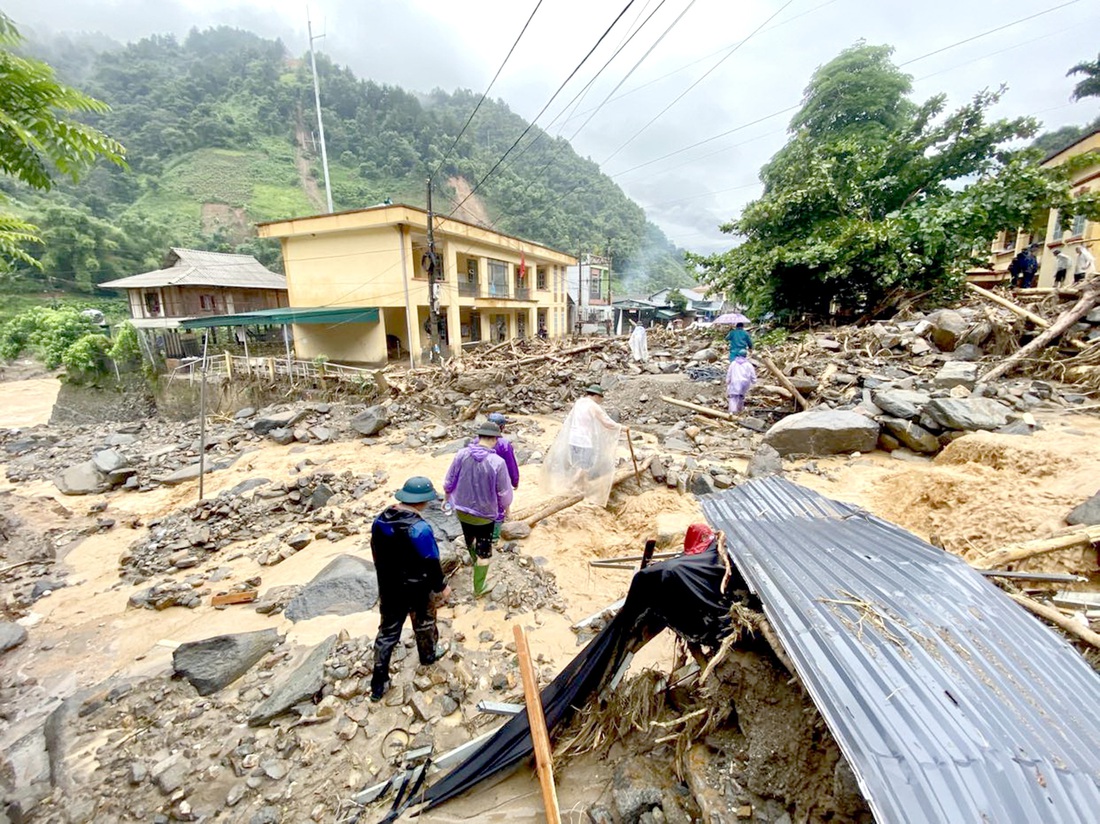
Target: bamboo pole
784, 382
544, 761
1058, 619
1062, 323
1009, 305
1013, 553
634, 460
702, 410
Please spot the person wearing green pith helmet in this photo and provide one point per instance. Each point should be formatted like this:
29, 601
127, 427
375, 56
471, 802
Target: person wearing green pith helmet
478, 487
410, 579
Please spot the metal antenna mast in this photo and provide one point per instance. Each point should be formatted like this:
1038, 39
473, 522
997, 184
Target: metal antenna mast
317, 99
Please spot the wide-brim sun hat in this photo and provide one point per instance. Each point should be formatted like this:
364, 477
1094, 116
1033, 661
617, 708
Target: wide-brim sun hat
594, 390
489, 430
416, 490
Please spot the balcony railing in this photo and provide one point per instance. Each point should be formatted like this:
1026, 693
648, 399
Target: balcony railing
523, 293
469, 290
497, 290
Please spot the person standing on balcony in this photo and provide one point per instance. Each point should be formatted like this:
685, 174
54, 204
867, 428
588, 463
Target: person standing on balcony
478, 487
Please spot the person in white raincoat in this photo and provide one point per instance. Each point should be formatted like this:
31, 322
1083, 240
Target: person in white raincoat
582, 458
740, 376
639, 347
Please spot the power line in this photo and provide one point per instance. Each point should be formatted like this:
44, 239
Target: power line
531, 125
485, 94
986, 33
704, 76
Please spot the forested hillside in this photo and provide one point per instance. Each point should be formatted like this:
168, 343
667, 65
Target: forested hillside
218, 131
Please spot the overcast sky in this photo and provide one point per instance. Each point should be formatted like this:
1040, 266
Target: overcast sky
423, 44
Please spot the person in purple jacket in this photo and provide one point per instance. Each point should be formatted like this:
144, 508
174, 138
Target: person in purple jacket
504, 449
478, 487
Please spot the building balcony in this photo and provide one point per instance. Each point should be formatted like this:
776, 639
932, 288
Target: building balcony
523, 293
497, 290
469, 290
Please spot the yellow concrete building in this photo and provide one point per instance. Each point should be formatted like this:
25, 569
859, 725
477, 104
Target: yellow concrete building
1080, 232
492, 287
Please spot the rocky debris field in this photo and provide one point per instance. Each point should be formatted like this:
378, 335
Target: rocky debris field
250, 726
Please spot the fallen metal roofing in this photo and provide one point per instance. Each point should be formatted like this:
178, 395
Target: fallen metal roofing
950, 702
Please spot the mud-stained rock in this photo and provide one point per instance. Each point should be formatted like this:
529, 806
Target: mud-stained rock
347, 585
11, 635
301, 685
823, 432
370, 421
82, 479
213, 663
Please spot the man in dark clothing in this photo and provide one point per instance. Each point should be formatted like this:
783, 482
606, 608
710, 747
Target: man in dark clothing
1030, 269
410, 579
1016, 269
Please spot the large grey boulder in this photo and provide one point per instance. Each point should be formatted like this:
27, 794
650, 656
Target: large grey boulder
948, 329
956, 373
301, 685
213, 663
370, 421
900, 403
968, 414
81, 479
280, 420
347, 585
823, 432
912, 435
1087, 512
11, 635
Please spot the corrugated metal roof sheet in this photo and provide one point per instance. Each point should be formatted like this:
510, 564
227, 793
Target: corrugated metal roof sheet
950, 702
193, 267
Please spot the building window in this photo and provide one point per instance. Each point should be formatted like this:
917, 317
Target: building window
152, 304
207, 303
471, 270
595, 283
540, 278
498, 279
1010, 240
1077, 228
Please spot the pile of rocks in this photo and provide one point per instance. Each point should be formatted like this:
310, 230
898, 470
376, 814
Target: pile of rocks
288, 515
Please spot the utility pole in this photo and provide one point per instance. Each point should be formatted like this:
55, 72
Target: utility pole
317, 100
609, 306
581, 302
432, 265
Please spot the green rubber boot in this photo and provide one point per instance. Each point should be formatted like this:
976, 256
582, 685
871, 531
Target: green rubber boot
481, 573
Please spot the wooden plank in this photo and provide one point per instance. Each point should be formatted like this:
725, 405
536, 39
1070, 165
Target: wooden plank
1079, 538
227, 598
1009, 305
1058, 619
544, 762
779, 376
702, 410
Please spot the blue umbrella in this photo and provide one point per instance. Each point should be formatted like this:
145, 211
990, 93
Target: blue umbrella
732, 319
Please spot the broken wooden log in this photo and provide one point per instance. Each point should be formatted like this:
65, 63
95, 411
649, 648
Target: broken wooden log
779, 376
575, 350
1058, 619
1013, 553
702, 410
558, 504
1062, 323
1009, 305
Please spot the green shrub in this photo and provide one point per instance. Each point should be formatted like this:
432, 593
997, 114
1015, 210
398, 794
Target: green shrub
125, 348
47, 333
86, 358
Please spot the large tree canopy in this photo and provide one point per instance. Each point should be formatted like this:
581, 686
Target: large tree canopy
875, 195
37, 138
1089, 86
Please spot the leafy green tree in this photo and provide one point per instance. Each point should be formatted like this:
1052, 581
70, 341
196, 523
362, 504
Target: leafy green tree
48, 333
86, 358
38, 140
677, 300
125, 348
881, 196
1090, 85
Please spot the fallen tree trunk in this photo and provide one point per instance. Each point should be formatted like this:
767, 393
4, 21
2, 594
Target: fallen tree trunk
1058, 619
575, 350
786, 384
1009, 305
1063, 322
1029, 549
702, 410
556, 505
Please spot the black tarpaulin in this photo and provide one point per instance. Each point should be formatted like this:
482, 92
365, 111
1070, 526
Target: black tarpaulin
682, 593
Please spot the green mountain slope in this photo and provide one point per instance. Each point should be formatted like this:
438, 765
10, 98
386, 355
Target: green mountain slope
218, 130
